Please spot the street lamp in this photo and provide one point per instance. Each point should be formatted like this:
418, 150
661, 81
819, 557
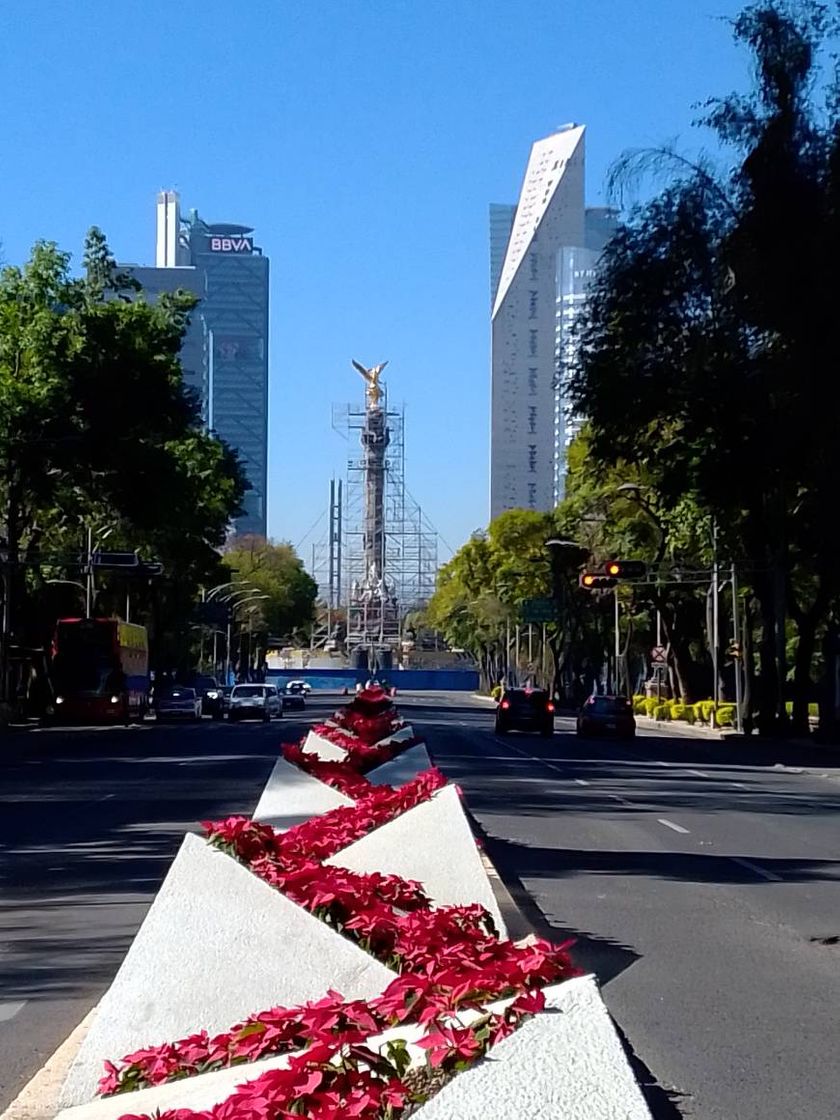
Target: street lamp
253, 598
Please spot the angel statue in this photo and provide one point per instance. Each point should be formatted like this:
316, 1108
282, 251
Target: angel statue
373, 394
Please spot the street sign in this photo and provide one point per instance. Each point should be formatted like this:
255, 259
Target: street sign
539, 610
659, 655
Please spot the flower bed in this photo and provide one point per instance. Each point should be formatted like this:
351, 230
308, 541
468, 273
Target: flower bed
345, 1058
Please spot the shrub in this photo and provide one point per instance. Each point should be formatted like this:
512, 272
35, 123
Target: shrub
639, 703
650, 706
678, 710
496, 692
725, 715
661, 711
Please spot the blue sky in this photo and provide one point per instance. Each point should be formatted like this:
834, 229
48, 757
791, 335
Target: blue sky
364, 140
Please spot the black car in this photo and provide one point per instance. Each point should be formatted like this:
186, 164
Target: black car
607, 715
293, 700
210, 691
525, 709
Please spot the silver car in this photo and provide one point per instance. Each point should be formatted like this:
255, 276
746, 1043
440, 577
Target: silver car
254, 701
179, 703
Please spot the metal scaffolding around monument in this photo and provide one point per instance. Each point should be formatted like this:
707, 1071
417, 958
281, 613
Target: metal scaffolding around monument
410, 541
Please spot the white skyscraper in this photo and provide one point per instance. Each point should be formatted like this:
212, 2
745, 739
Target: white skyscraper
524, 405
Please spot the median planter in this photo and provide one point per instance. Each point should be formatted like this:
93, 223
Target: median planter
414, 1003
216, 943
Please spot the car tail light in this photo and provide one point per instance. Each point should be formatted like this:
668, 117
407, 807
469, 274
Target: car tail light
505, 704
549, 707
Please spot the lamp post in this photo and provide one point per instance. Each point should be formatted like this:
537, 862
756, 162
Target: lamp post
252, 598
565, 555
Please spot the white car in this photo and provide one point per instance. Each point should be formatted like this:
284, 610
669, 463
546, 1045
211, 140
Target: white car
254, 701
298, 686
178, 703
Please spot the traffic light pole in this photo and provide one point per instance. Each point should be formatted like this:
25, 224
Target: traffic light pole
736, 637
617, 642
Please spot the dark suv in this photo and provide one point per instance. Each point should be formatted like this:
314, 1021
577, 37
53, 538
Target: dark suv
525, 709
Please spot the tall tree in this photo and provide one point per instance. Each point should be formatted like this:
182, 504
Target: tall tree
97, 424
708, 345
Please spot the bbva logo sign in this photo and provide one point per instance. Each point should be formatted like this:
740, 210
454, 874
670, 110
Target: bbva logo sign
231, 245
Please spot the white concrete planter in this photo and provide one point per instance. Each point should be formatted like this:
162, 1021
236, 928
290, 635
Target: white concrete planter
217, 945
292, 796
432, 843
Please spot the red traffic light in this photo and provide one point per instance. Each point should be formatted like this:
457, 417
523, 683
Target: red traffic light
626, 569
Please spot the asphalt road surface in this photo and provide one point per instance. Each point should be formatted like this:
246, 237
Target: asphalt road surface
702, 881
90, 819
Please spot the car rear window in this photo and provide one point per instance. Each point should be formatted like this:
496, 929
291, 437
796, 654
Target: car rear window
248, 690
180, 694
610, 705
523, 699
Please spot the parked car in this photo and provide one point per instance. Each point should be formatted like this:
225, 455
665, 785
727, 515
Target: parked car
210, 692
254, 701
178, 702
525, 709
607, 715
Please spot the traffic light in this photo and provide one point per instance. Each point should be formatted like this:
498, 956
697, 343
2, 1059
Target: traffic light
595, 581
626, 569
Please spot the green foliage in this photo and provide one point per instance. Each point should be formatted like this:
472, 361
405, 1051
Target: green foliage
711, 333
277, 571
98, 428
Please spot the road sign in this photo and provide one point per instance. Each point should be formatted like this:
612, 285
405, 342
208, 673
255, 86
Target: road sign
539, 610
659, 655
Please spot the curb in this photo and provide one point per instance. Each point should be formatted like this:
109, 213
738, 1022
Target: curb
38, 1099
686, 730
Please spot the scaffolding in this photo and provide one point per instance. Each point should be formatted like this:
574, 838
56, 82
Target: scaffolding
409, 544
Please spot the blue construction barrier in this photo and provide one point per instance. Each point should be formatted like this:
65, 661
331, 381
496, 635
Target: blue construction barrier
406, 680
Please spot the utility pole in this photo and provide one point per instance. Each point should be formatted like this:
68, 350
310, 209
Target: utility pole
89, 574
715, 612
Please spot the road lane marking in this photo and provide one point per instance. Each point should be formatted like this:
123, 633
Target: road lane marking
670, 824
9, 1010
739, 785
621, 800
699, 773
581, 781
756, 870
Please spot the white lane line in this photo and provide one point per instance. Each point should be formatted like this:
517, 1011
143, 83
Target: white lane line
581, 781
756, 870
670, 824
739, 785
699, 773
9, 1010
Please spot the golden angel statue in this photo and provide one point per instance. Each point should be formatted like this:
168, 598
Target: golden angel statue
373, 394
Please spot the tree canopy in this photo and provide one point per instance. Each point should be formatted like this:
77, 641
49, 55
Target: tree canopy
98, 430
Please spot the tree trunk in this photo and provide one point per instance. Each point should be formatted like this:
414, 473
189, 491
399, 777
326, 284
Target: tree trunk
807, 629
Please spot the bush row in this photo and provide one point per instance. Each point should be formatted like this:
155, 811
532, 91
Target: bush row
701, 712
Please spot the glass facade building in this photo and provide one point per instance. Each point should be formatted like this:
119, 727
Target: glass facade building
225, 352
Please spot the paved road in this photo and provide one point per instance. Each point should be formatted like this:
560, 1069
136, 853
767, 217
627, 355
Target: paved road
703, 885
89, 822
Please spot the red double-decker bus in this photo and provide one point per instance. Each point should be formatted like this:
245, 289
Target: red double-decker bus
100, 670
